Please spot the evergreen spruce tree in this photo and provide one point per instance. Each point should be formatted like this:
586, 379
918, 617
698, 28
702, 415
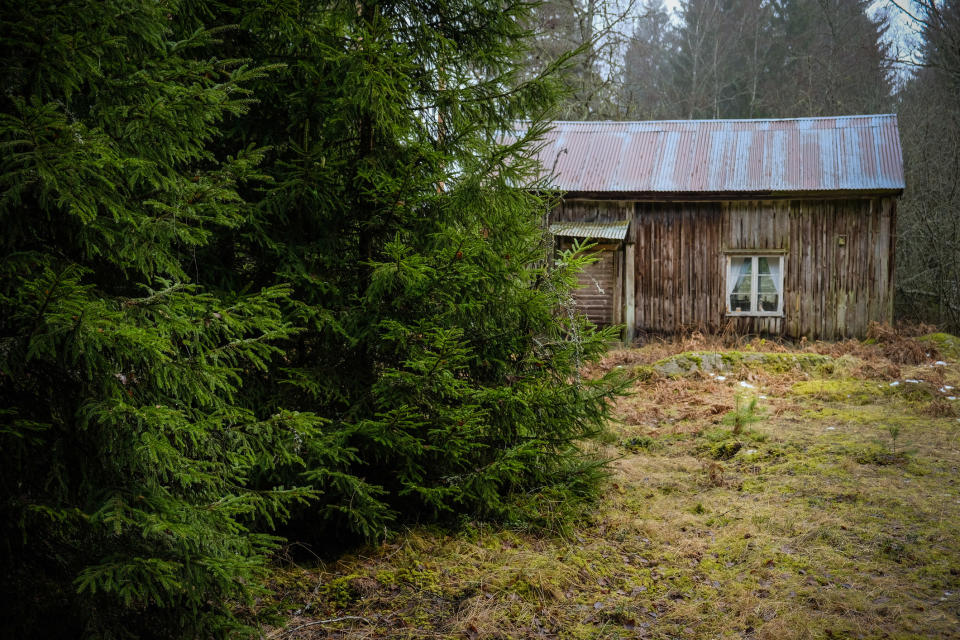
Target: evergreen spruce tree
441, 345
124, 453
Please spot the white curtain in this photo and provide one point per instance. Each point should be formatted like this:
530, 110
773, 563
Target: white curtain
739, 269
775, 274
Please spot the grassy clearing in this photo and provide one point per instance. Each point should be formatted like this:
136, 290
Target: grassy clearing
829, 509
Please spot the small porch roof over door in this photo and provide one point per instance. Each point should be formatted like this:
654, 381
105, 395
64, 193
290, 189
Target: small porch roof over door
596, 230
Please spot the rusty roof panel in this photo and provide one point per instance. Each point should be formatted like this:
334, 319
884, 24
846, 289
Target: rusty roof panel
847, 153
596, 230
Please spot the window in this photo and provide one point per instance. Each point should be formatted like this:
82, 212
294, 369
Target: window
755, 285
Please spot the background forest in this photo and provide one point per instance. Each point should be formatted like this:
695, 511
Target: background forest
266, 274
791, 59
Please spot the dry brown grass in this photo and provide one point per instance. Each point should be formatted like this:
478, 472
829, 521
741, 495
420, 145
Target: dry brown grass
885, 347
941, 408
899, 347
814, 528
853, 348
915, 329
655, 348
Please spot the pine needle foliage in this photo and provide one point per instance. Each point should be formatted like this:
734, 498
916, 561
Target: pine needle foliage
124, 453
744, 414
257, 245
440, 345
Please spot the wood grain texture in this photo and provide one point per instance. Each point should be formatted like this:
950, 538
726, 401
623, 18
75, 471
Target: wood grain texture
597, 294
838, 262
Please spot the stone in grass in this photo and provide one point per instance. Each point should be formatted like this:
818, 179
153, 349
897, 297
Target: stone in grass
713, 362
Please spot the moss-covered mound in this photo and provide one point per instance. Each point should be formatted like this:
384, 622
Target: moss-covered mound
709, 362
948, 345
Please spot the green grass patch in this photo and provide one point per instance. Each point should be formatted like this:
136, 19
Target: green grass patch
833, 515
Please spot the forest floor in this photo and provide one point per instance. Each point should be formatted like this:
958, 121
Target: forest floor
832, 510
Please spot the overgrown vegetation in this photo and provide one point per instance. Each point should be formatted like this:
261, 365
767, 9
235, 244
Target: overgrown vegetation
268, 268
813, 522
278, 269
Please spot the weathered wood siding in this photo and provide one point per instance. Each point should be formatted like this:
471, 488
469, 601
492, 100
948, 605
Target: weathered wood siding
838, 261
599, 293
680, 268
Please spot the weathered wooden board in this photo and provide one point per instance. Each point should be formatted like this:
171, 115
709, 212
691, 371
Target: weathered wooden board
597, 294
838, 262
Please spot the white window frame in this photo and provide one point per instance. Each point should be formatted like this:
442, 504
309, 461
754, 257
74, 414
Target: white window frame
754, 276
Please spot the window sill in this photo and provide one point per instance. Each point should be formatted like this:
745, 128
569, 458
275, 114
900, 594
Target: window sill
757, 314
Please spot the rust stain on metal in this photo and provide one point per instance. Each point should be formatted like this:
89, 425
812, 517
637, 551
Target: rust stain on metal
596, 230
847, 153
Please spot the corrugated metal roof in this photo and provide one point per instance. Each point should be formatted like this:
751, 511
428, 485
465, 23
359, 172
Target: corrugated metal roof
595, 230
847, 153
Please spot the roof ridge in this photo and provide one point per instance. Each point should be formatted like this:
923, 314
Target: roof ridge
840, 153
721, 120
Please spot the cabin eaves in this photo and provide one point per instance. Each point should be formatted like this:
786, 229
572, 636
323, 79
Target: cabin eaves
718, 158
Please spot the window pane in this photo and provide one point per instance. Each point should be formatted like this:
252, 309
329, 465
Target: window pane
768, 294
767, 297
740, 276
766, 284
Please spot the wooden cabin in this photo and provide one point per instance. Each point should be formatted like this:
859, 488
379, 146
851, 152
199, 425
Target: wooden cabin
771, 227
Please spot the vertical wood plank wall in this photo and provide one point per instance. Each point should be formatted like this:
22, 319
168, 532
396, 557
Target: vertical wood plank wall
599, 294
833, 288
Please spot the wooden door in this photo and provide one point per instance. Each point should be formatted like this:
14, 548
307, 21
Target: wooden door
598, 295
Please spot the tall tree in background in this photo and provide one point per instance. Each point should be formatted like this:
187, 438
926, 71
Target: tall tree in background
759, 58
646, 92
596, 32
831, 58
439, 345
717, 64
124, 453
928, 225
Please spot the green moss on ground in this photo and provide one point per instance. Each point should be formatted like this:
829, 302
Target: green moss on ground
948, 345
711, 361
834, 516
846, 390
